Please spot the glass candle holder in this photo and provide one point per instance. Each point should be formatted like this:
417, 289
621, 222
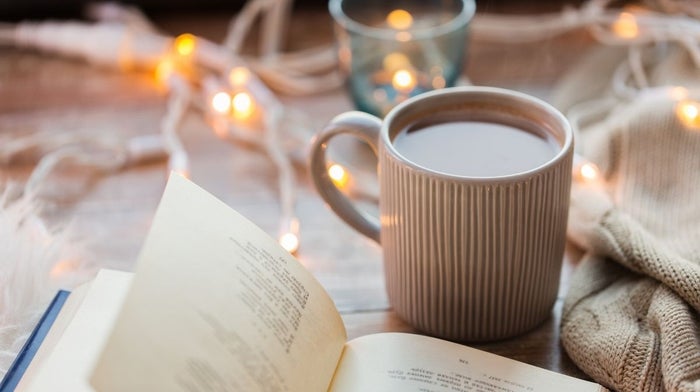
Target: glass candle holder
392, 50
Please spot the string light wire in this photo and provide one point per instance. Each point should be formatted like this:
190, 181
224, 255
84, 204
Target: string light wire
134, 42
178, 102
643, 32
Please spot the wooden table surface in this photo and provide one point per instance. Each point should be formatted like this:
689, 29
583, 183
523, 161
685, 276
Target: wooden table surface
42, 92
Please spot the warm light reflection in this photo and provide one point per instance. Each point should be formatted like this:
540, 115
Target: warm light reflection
399, 19
678, 93
221, 102
182, 172
178, 162
344, 55
394, 61
290, 242
626, 26
403, 80
243, 105
403, 36
439, 82
164, 70
220, 127
338, 175
688, 113
380, 95
62, 268
185, 44
238, 76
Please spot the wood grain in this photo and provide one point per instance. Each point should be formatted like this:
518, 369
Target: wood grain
45, 93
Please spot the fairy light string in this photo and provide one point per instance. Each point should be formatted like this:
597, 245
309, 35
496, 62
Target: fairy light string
234, 92
244, 106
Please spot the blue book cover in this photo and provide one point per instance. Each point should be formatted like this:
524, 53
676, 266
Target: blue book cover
25, 356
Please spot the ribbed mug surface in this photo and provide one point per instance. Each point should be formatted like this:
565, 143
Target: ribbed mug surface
472, 260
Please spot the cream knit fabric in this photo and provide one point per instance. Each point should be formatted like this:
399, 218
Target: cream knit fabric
631, 317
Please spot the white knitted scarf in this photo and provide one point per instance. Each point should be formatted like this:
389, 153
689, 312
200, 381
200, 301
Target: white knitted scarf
631, 317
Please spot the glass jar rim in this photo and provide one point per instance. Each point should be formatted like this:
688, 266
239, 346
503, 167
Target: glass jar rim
461, 19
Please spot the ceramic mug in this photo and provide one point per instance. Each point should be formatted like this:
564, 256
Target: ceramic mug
467, 257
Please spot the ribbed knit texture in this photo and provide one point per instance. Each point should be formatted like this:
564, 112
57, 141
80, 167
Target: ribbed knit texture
631, 316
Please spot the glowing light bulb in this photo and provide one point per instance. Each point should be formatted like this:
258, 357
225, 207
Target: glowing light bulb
403, 80
399, 19
221, 102
289, 239
290, 242
238, 76
585, 171
338, 175
626, 26
688, 113
589, 172
185, 44
243, 105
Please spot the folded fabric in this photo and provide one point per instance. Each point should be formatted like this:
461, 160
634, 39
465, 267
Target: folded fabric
632, 314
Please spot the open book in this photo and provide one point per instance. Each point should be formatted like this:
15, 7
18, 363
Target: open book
217, 305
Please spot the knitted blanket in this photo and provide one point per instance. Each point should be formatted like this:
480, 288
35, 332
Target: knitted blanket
631, 317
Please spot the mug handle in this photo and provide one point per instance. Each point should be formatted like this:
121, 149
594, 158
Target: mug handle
365, 127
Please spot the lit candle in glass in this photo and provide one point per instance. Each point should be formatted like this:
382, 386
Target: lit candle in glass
393, 51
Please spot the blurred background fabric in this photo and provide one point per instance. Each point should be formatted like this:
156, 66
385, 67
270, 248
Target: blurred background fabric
11, 10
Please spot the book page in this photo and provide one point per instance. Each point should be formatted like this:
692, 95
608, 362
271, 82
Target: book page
415, 363
67, 354
216, 304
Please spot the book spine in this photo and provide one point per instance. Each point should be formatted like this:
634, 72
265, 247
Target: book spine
26, 354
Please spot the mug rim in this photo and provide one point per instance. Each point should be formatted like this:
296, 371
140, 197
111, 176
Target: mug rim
565, 149
461, 19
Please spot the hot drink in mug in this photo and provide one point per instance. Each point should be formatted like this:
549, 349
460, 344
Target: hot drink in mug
474, 194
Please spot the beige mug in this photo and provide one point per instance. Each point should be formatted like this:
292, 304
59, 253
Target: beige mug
472, 251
